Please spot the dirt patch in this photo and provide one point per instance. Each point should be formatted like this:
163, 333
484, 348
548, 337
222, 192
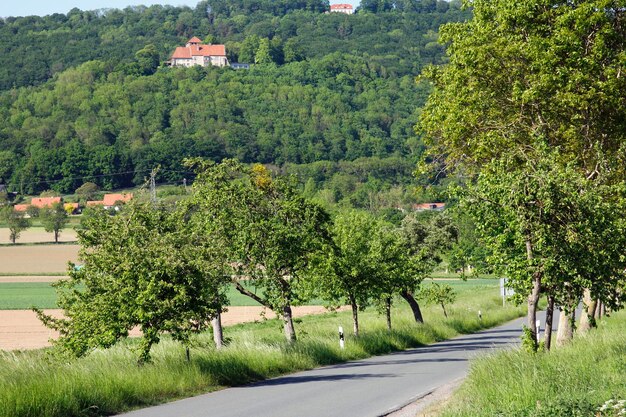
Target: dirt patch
20, 329
38, 259
38, 235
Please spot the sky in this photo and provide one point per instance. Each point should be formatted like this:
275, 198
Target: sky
44, 7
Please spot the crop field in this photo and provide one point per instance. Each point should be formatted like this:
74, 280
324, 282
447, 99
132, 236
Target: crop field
38, 235
36, 259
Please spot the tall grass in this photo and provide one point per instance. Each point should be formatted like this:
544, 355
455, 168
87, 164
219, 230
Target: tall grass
109, 381
575, 380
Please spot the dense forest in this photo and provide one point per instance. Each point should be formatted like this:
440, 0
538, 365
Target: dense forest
331, 97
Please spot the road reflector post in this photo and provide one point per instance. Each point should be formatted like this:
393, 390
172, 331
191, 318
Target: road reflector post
480, 315
341, 339
538, 327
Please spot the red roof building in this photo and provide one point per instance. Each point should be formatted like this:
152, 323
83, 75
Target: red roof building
111, 199
197, 53
43, 202
342, 8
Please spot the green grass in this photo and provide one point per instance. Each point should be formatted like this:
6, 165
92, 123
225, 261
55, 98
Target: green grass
33, 383
571, 381
25, 295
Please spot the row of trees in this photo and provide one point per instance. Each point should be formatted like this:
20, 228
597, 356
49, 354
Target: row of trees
530, 114
165, 268
53, 219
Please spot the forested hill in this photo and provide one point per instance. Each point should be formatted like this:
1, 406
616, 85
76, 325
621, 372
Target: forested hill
36, 48
332, 88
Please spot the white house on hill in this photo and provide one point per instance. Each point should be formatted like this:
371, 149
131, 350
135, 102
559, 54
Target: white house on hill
342, 8
197, 53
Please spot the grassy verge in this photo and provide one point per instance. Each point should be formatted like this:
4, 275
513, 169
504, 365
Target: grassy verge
572, 381
107, 381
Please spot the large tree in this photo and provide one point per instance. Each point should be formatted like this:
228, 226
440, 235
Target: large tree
532, 83
140, 268
54, 219
15, 221
269, 233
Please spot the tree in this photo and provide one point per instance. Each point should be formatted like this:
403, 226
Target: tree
140, 269
262, 55
424, 240
349, 271
440, 294
15, 220
54, 219
533, 96
87, 191
269, 233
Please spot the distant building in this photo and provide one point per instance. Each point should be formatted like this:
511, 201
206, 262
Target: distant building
111, 200
342, 8
429, 206
197, 53
44, 202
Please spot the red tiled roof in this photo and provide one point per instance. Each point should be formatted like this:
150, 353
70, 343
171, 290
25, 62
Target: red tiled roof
111, 199
340, 6
21, 207
194, 40
186, 52
42, 202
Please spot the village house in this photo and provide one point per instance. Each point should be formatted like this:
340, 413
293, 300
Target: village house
197, 53
39, 202
111, 200
342, 8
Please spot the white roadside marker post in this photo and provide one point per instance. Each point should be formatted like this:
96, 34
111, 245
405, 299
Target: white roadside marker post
480, 315
341, 340
538, 327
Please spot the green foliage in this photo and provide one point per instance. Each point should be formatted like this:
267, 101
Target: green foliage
102, 117
54, 219
440, 294
140, 269
266, 231
87, 191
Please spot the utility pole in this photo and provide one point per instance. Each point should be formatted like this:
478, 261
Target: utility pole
153, 173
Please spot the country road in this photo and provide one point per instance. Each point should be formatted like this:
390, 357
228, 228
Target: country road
370, 387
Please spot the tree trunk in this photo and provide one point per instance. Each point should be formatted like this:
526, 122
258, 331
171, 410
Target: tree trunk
587, 317
443, 307
566, 328
533, 297
290, 332
56, 236
596, 314
388, 312
547, 337
355, 316
218, 334
417, 313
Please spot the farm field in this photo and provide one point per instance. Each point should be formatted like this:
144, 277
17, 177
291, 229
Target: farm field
20, 329
36, 259
38, 235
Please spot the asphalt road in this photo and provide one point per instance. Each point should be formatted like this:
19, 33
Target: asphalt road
370, 387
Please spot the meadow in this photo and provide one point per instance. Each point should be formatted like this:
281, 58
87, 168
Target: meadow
584, 378
34, 383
